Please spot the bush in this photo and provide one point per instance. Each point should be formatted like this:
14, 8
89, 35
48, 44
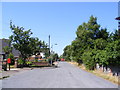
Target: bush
36, 60
28, 62
20, 61
88, 59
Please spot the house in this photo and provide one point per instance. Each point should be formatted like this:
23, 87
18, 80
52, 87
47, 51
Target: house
118, 18
16, 53
3, 43
41, 56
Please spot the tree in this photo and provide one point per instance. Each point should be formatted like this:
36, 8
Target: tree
103, 34
67, 52
94, 44
55, 57
45, 49
21, 40
86, 34
113, 51
99, 44
115, 35
88, 59
27, 45
38, 46
7, 49
76, 50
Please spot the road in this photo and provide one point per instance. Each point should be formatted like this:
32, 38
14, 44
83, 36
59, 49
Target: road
65, 76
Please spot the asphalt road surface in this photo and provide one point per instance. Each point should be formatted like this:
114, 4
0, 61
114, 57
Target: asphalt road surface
65, 76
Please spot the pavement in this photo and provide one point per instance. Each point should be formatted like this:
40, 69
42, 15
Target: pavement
65, 76
13, 71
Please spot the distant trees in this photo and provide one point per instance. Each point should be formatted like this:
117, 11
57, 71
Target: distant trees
67, 52
27, 45
94, 44
55, 57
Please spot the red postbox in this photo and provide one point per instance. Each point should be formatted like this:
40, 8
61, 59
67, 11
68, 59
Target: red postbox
8, 60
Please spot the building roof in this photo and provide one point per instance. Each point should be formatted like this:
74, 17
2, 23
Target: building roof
5, 42
15, 52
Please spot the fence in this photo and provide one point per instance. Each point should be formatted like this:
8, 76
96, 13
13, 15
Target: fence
115, 70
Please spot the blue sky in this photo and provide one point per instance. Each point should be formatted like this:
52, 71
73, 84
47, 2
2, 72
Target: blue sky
58, 19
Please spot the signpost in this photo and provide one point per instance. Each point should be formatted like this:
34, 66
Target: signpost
9, 61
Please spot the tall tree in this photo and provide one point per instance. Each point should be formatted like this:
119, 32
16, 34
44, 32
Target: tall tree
21, 40
94, 44
27, 45
67, 52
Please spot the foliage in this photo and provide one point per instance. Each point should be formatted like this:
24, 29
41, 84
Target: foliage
36, 60
7, 49
28, 62
88, 59
20, 61
93, 44
67, 52
55, 56
11, 56
38, 46
21, 40
27, 45
113, 51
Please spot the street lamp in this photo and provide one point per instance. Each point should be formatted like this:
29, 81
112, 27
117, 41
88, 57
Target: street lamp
52, 51
52, 48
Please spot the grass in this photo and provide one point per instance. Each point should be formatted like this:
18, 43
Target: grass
11, 66
114, 79
39, 65
109, 77
4, 77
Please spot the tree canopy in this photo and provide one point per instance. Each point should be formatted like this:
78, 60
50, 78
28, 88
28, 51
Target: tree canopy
93, 44
21, 40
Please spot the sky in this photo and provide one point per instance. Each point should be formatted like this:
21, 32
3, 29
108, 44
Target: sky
57, 19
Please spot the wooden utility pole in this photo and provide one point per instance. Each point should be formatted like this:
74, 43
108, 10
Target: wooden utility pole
49, 45
49, 50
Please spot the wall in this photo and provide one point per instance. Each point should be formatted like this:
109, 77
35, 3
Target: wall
115, 70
